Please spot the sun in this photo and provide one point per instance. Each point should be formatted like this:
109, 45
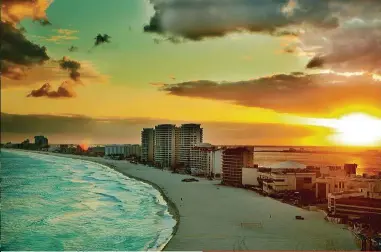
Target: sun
357, 129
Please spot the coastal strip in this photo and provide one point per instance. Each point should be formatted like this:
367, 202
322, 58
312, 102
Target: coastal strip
215, 217
172, 208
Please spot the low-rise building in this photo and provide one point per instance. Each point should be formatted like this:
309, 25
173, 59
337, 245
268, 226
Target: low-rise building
115, 149
325, 185
250, 176
296, 180
353, 204
132, 150
98, 151
337, 180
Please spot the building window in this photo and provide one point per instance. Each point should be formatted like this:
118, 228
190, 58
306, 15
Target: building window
307, 180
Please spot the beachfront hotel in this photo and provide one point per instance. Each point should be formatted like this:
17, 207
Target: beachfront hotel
148, 144
165, 145
40, 141
233, 160
189, 136
206, 159
132, 150
114, 149
125, 150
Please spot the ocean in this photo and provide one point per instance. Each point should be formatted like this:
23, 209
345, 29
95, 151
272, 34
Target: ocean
53, 203
368, 162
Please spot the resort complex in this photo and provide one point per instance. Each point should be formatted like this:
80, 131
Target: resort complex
345, 195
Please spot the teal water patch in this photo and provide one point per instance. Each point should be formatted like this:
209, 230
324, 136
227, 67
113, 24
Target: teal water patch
54, 203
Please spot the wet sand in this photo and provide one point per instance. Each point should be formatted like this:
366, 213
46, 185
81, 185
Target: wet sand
214, 217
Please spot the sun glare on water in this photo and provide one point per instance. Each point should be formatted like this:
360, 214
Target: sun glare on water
357, 129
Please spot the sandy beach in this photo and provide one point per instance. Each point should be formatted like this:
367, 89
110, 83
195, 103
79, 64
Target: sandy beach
214, 217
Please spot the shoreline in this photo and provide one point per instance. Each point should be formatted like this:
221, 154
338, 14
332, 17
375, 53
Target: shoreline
172, 208
211, 217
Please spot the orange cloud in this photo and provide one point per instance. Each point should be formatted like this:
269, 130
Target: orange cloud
62, 35
52, 72
15, 10
294, 93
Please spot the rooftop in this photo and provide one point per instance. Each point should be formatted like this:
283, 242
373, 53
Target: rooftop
360, 201
288, 164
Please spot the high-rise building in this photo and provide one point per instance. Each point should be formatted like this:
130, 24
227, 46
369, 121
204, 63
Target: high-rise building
206, 159
41, 141
148, 145
233, 160
190, 135
165, 145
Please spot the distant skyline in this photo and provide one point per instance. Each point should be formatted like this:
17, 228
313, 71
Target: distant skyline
258, 72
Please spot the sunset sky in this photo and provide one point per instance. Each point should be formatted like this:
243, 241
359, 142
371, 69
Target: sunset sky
259, 72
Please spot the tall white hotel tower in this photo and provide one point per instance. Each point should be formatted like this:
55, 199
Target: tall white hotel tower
190, 136
165, 145
148, 145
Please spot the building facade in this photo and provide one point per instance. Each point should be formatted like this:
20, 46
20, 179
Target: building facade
165, 145
115, 149
250, 176
353, 204
41, 141
189, 136
289, 181
338, 180
206, 159
148, 145
132, 150
233, 161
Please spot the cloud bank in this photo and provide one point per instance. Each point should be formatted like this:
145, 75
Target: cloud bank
18, 53
343, 35
300, 93
76, 128
25, 63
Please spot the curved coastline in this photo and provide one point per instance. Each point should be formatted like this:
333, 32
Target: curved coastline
172, 208
218, 225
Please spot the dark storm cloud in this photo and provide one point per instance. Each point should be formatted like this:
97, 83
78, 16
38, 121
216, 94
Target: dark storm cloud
75, 128
294, 93
17, 53
195, 20
356, 46
17, 50
63, 91
72, 66
316, 62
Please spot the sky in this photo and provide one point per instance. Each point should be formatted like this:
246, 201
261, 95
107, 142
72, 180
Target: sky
258, 72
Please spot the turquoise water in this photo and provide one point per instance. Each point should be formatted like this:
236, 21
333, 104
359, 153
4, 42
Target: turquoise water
54, 203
